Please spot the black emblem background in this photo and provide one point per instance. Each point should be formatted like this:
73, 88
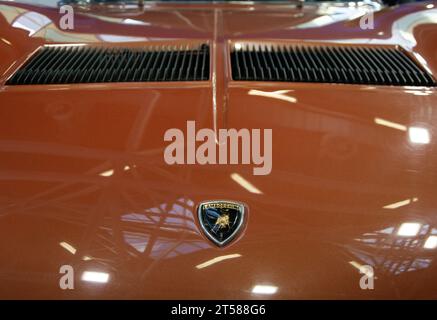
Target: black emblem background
208, 218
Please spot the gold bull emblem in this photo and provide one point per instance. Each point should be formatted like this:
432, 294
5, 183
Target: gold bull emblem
223, 221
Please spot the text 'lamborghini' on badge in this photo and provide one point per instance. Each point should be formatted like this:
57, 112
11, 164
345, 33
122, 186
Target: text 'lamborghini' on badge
221, 220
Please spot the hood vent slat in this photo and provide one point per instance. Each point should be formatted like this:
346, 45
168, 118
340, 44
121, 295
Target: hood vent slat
327, 64
81, 64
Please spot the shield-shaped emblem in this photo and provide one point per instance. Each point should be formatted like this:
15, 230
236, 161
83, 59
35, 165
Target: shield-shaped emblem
221, 220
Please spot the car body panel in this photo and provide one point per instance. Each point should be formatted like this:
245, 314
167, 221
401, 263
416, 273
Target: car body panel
83, 180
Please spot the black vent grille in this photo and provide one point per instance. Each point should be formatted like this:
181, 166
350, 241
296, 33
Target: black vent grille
328, 64
80, 64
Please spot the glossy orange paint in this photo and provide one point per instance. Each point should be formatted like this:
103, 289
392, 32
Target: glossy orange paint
83, 181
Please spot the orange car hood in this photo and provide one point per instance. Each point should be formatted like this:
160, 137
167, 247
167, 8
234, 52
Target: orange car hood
83, 181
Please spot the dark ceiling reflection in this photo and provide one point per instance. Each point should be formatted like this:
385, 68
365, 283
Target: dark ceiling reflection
407, 247
174, 217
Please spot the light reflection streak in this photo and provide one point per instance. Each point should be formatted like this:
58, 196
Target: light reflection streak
217, 259
400, 203
68, 247
279, 94
245, 184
